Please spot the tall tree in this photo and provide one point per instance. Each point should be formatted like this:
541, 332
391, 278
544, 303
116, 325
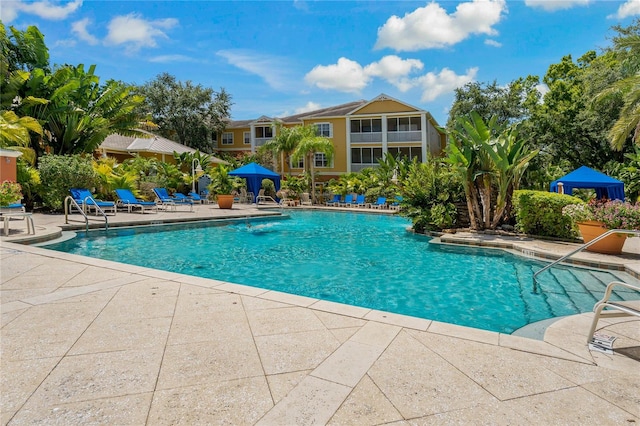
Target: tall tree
626, 48
564, 125
283, 144
186, 112
509, 104
310, 144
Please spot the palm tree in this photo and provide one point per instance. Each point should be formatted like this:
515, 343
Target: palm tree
627, 44
310, 144
284, 143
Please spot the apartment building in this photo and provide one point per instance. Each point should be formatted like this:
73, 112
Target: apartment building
362, 132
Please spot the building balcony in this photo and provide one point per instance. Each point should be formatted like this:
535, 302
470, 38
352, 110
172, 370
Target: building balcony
366, 137
413, 136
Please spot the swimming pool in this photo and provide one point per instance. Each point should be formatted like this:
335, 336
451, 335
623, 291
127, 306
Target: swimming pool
358, 259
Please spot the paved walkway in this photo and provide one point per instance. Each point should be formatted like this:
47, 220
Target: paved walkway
87, 341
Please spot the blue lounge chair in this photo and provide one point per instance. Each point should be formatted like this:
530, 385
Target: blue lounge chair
168, 202
381, 203
128, 200
198, 199
335, 201
360, 201
396, 204
88, 202
13, 208
348, 201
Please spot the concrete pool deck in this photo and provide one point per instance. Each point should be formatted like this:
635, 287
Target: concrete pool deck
88, 341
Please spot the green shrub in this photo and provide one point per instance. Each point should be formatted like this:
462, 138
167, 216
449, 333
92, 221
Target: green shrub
59, 173
429, 192
540, 213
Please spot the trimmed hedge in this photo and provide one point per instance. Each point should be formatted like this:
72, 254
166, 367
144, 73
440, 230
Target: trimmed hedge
540, 213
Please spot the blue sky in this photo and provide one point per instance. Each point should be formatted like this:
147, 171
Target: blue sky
279, 58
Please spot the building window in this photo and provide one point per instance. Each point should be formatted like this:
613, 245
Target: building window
264, 132
227, 138
366, 155
324, 129
296, 165
368, 125
409, 152
320, 160
247, 138
404, 124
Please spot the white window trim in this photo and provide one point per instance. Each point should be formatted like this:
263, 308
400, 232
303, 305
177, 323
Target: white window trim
328, 124
225, 141
247, 141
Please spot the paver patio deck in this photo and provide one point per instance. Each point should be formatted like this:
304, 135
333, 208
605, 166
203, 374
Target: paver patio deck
88, 341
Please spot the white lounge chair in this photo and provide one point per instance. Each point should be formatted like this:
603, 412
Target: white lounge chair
616, 308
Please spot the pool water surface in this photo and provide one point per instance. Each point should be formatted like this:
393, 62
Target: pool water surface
358, 259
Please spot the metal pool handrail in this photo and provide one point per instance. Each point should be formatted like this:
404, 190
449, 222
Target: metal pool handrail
68, 201
579, 249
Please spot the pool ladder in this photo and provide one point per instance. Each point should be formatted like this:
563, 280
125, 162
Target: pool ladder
579, 249
70, 203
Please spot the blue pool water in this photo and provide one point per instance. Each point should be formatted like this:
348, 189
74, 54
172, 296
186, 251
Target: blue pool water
359, 259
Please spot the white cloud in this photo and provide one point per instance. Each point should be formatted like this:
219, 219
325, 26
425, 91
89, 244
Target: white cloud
494, 43
553, 5
349, 76
543, 89
434, 85
395, 70
272, 69
44, 9
431, 27
310, 106
629, 8
80, 29
164, 59
136, 32
344, 76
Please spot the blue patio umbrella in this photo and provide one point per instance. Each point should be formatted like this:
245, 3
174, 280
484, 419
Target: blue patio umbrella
254, 173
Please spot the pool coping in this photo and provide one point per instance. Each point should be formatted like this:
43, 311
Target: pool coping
512, 341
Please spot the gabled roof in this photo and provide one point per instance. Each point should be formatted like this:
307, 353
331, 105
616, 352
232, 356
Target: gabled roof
153, 144
333, 111
382, 97
341, 110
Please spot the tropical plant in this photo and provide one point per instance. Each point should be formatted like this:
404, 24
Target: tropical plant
10, 192
59, 173
310, 144
429, 193
29, 178
627, 48
79, 113
283, 144
628, 172
221, 182
487, 156
510, 159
